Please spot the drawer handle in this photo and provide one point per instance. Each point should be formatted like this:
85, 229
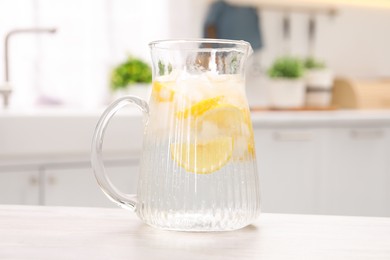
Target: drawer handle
52, 180
293, 136
33, 180
367, 134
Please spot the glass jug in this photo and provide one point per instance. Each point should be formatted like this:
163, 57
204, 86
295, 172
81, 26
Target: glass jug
198, 164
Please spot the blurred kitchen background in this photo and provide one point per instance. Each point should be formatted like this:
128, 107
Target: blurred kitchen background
329, 157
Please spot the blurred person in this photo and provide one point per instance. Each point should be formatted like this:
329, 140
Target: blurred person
226, 21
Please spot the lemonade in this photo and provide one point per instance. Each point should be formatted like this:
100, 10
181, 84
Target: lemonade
212, 124
200, 151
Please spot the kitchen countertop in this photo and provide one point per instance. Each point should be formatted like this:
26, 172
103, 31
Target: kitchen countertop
331, 118
59, 135
37, 232
258, 116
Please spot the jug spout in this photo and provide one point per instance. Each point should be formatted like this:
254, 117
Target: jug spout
250, 51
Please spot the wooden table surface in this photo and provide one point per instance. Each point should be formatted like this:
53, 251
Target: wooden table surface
36, 232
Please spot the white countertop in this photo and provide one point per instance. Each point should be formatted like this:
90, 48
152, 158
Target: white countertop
331, 118
34, 232
60, 134
259, 117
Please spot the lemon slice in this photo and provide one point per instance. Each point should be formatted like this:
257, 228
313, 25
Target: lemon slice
244, 149
228, 118
214, 117
203, 157
163, 91
215, 110
200, 108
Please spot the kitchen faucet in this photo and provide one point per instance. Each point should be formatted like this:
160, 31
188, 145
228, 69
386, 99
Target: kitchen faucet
6, 89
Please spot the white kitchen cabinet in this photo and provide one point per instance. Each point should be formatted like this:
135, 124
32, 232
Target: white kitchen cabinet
289, 161
20, 187
56, 148
356, 174
330, 162
78, 187
341, 170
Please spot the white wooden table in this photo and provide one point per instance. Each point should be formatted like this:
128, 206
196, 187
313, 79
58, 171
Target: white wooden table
33, 232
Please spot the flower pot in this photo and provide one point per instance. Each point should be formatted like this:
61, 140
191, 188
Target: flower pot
286, 93
319, 83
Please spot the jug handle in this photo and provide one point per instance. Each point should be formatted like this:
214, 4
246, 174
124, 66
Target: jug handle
124, 200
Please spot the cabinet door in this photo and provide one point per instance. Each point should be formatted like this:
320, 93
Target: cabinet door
19, 188
356, 177
78, 187
289, 164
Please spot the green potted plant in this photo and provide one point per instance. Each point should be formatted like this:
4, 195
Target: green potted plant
286, 85
319, 82
132, 76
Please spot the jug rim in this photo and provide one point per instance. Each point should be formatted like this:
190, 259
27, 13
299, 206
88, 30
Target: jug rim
163, 44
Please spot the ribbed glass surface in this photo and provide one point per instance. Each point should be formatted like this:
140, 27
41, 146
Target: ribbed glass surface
198, 170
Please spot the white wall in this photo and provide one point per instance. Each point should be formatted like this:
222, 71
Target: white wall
355, 42
73, 65
93, 35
